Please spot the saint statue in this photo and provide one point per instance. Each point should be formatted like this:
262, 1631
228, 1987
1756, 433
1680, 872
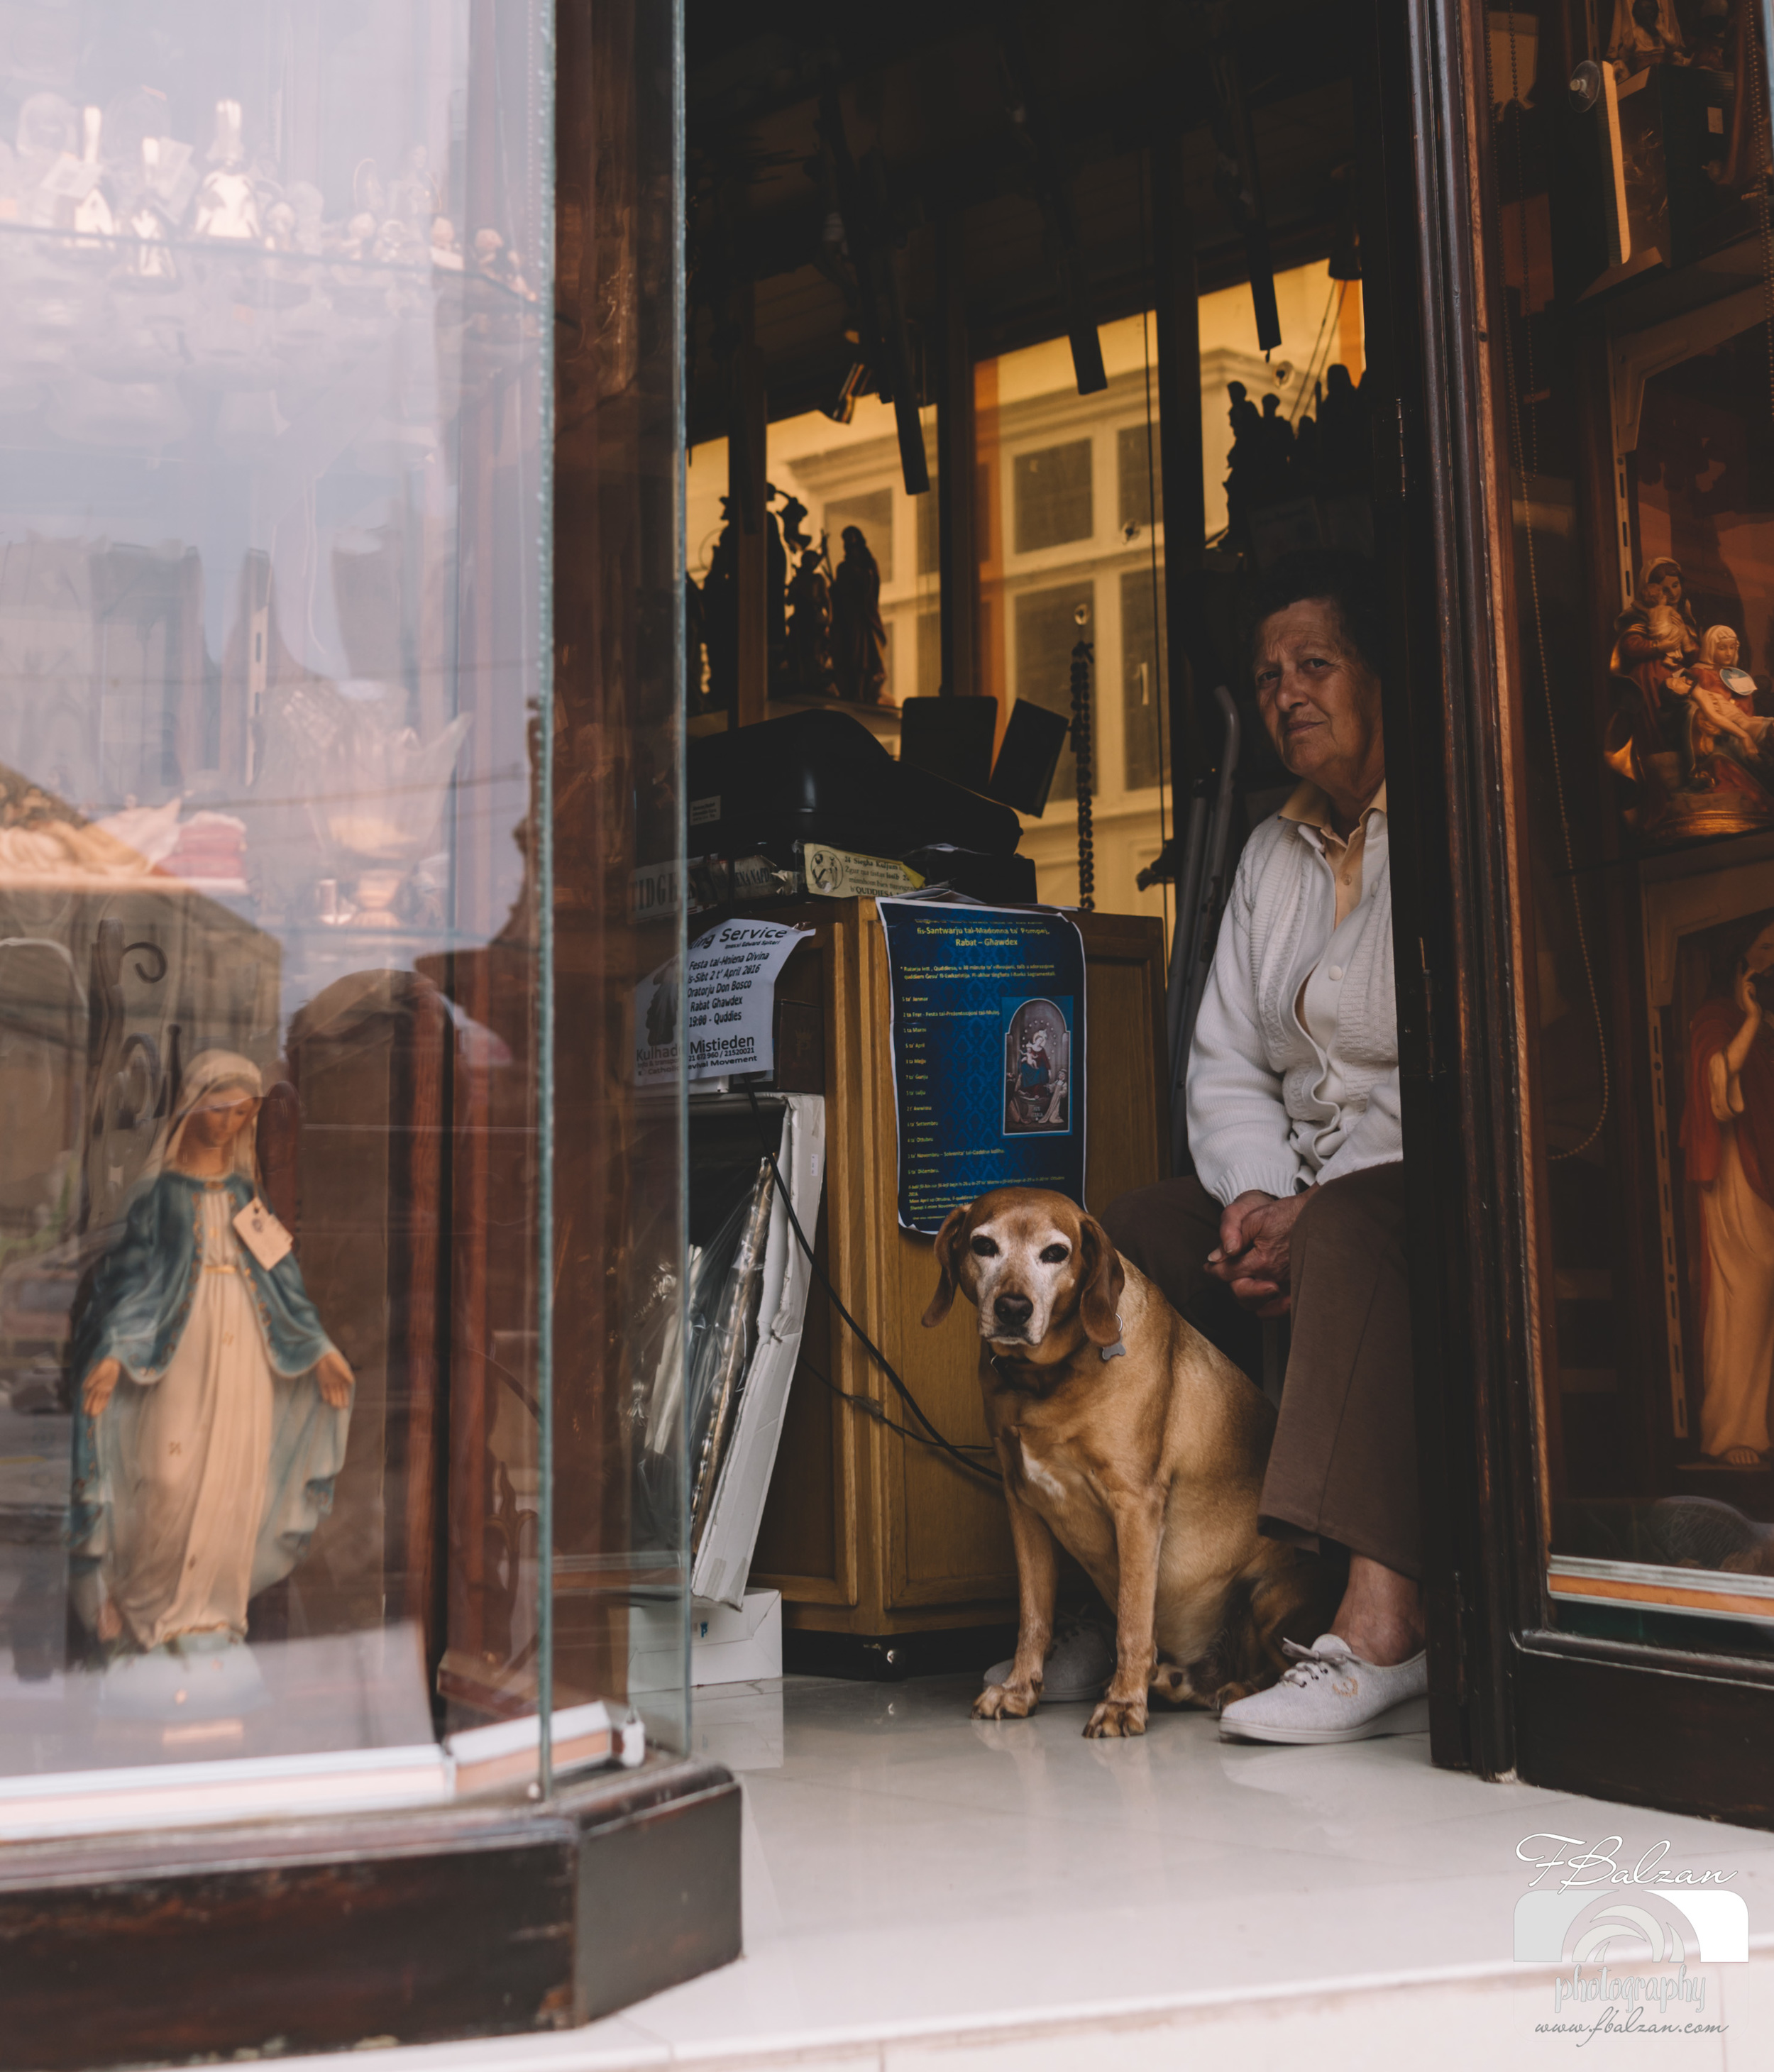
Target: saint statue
858, 635
213, 1407
1646, 32
1728, 1139
810, 628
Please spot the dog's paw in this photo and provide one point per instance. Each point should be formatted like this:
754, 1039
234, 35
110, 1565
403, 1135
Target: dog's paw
1006, 1701
1116, 1718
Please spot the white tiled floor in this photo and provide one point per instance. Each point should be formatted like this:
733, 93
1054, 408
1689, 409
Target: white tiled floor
922, 1889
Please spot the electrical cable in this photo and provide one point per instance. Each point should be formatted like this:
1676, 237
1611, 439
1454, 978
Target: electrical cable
880, 1358
1527, 467
1325, 342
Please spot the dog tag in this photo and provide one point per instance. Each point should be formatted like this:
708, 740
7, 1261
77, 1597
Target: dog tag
262, 1235
1117, 1350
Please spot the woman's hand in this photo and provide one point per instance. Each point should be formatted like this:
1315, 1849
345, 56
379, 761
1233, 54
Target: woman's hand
335, 1379
100, 1385
1255, 1234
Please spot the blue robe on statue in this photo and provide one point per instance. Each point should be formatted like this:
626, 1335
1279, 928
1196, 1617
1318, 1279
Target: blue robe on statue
139, 1303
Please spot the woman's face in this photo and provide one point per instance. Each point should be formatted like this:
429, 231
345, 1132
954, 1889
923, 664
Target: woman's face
218, 1120
1319, 701
1725, 651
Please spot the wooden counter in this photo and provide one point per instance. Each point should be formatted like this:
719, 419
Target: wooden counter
866, 1534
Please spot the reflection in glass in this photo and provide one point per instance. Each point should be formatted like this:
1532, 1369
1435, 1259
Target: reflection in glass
271, 524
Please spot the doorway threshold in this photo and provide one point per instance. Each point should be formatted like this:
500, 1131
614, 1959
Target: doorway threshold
924, 1890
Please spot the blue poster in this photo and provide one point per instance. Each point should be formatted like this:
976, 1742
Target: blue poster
988, 1053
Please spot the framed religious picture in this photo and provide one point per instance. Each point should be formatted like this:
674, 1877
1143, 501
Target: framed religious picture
1037, 1066
1709, 942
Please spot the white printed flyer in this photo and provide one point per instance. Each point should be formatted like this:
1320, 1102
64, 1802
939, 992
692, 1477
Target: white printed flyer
729, 999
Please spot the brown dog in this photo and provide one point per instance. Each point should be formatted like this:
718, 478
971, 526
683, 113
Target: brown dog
1123, 1434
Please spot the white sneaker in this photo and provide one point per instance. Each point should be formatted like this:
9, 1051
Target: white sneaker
1332, 1694
1080, 1663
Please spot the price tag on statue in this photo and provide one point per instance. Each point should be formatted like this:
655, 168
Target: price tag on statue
262, 1235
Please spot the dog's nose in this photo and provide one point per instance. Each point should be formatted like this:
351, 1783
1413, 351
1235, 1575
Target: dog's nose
1014, 1310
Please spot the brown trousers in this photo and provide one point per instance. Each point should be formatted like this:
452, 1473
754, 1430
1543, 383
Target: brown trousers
1343, 1468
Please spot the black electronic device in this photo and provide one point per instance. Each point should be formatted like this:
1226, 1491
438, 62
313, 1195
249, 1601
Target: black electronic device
822, 777
1030, 755
952, 737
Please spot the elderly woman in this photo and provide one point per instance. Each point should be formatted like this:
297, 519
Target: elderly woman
1298, 1199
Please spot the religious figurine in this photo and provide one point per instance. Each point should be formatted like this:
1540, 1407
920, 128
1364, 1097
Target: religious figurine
1655, 627
1711, 35
414, 196
228, 204
809, 657
1344, 447
1277, 448
360, 236
445, 252
1727, 1140
369, 196
309, 206
397, 244
795, 536
93, 212
1697, 761
1646, 32
48, 138
280, 227
1719, 651
858, 635
151, 264
213, 1406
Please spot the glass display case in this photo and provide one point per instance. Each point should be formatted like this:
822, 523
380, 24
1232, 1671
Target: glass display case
336, 1287
1606, 551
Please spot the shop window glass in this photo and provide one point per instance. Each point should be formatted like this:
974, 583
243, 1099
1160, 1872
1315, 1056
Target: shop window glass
928, 510
1047, 629
1139, 476
275, 1372
929, 625
1142, 675
1053, 496
1645, 567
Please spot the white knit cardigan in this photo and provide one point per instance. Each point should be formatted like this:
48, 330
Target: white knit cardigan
1256, 1119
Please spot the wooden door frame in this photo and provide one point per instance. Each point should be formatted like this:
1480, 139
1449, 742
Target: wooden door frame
1682, 1730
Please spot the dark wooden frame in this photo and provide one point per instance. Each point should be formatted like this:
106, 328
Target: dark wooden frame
406, 1927
1686, 1731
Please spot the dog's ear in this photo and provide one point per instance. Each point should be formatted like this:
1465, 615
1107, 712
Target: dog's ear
948, 1241
1101, 1278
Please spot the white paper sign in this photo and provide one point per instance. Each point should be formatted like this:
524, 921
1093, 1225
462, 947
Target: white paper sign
262, 1235
729, 1011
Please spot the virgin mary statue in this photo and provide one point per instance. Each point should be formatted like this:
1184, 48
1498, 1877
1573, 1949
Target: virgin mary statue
213, 1406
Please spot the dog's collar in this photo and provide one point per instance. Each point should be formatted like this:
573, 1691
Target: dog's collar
1117, 1350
